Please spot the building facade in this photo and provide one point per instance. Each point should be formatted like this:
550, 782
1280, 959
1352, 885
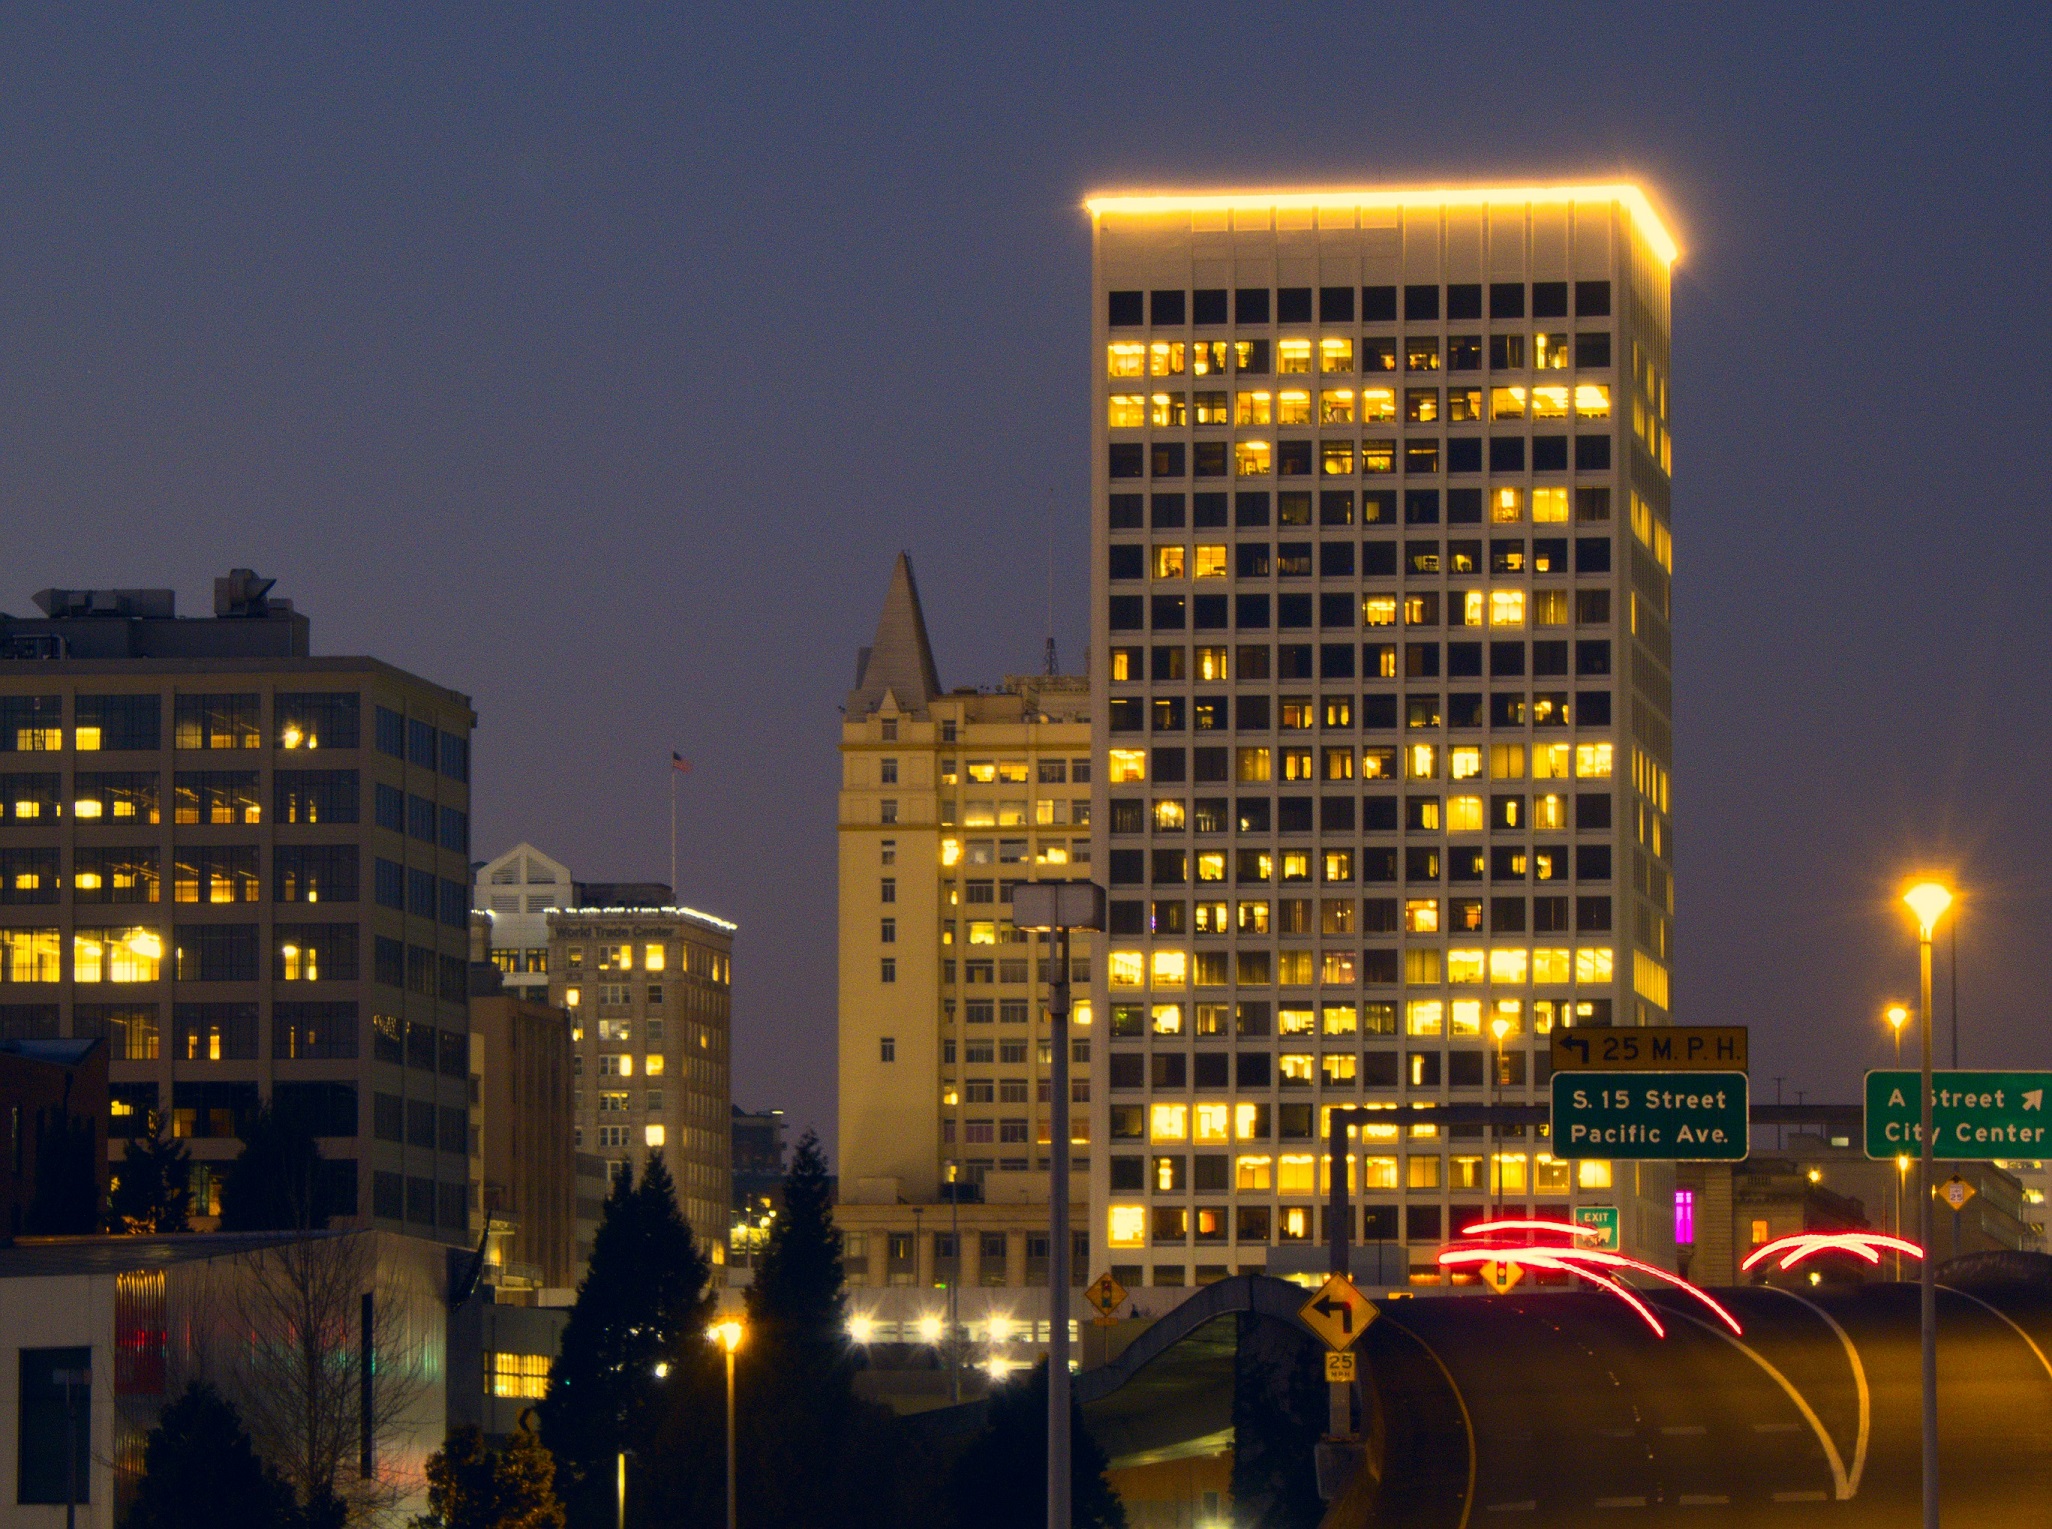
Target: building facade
247, 869
1381, 562
648, 990
948, 800
521, 1060
516, 892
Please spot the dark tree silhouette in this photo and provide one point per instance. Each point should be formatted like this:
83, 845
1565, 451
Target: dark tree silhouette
153, 1186
1000, 1480
279, 1182
200, 1471
67, 1192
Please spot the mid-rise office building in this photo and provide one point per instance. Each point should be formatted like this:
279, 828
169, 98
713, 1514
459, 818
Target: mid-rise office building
246, 868
949, 798
520, 1060
1381, 566
516, 892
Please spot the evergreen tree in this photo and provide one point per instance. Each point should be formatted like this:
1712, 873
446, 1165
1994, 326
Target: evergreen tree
1000, 1480
153, 1189
1280, 1406
67, 1191
643, 1303
200, 1471
798, 1300
279, 1182
472, 1487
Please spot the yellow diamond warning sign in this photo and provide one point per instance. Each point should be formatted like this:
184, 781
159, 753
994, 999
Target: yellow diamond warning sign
1107, 1296
1338, 1312
1500, 1277
1955, 1192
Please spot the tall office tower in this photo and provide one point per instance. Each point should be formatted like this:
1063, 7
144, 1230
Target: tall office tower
247, 869
948, 800
1381, 605
648, 987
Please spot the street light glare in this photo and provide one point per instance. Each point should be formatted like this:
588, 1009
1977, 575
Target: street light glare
1928, 900
1898, 1015
726, 1334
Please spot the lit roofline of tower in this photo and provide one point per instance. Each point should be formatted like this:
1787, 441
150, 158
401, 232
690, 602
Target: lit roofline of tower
1644, 218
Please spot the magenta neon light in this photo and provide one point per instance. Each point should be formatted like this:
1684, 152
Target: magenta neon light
1800, 1245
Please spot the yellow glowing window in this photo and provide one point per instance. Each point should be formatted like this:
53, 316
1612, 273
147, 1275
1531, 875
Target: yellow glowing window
1340, 1019
1378, 406
1421, 355
1212, 408
1421, 915
1465, 609
87, 738
1550, 761
1252, 917
1211, 564
1421, 405
38, 740
1464, 814
1168, 562
1464, 405
1593, 963
1293, 407
950, 851
1550, 965
1549, 811
1168, 1122
1080, 1014
1549, 1174
1422, 1172
1506, 506
1592, 400
1213, 1124
1124, 765
1126, 1226
1126, 968
1593, 761
1424, 1016
1170, 815
1292, 356
1294, 1019
983, 771
1167, 358
1296, 1174
1379, 1173
1167, 1019
1466, 1016
1550, 402
1251, 458
1252, 1172
1549, 352
1296, 866
652, 1065
1510, 1011
1336, 406
1421, 761
1208, 357
982, 932
520, 1375
652, 1135
1378, 610
1170, 968
1507, 965
1128, 411
1464, 965
1211, 865
1254, 407
1127, 358
1168, 409
1549, 506
1336, 354
33, 955
1594, 1173
1506, 607
1506, 403
1336, 459
1464, 763
1336, 967
1422, 966
1378, 456
1212, 663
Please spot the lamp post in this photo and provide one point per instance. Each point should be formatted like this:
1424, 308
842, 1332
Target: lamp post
1928, 900
728, 1335
1056, 907
1898, 1016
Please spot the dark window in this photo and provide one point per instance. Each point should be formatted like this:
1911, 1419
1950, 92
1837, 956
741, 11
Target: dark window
1127, 916
1167, 308
420, 892
215, 953
1292, 612
391, 732
1379, 814
116, 722
1250, 560
1128, 714
1170, 613
1128, 867
1293, 459
309, 1032
388, 882
214, 721
53, 1454
1250, 305
1207, 511
1549, 915
1126, 512
1464, 1069
1335, 305
1421, 457
1592, 503
388, 806
1421, 507
1126, 613
1168, 512
1464, 300
1209, 765
1208, 305
214, 1032
1253, 714
1378, 305
1336, 814
1336, 561
1336, 659
1592, 453
1592, 656
388, 1195
1293, 560
320, 719
1171, 1069
1592, 708
1250, 612
1171, 867
1549, 299
1167, 765
1506, 660
455, 757
1592, 554
314, 953
1506, 453
317, 796
1592, 351
1208, 613
1127, 460
1378, 559
1592, 862
452, 1053
1125, 310
1592, 299
1592, 810
325, 1109
1253, 1069
1167, 460
455, 833
1128, 560
455, 909
1464, 709
1250, 508
314, 873
1592, 915
1378, 712
1421, 303
1549, 453
1128, 1170
1464, 455
1506, 299
420, 819
1293, 305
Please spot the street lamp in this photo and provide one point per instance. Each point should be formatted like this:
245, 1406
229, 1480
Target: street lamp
1928, 901
728, 1335
1498, 1027
1058, 907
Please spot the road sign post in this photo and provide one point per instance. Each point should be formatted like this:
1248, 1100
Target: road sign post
1645, 1116
1976, 1116
1338, 1313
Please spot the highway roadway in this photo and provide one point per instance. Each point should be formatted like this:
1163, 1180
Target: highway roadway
1562, 1407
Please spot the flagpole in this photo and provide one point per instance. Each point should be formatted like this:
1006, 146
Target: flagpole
673, 829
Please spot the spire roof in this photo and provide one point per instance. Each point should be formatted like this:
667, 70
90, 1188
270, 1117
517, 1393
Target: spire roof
899, 660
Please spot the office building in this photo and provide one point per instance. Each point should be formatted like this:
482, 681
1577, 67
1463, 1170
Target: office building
516, 892
520, 1060
949, 799
246, 869
1380, 570
648, 989
47, 1087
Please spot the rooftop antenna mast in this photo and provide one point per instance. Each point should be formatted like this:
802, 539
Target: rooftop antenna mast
1050, 665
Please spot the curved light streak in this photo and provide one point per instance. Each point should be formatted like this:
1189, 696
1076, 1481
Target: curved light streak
1798, 1246
1577, 1261
1552, 1258
1491, 1228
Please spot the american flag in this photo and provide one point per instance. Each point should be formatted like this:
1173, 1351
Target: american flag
679, 763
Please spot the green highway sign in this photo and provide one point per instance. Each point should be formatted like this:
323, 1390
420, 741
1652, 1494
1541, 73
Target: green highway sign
1603, 1220
1671, 1116
1975, 1116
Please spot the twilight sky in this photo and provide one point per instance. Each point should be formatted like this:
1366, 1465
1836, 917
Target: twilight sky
595, 363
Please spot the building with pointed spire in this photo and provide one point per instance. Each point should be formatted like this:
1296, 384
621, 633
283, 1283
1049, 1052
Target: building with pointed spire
948, 799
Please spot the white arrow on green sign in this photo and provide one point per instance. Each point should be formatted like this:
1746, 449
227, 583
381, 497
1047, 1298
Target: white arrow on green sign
1975, 1116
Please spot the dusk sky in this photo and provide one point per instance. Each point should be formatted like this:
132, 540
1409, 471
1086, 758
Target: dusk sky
595, 361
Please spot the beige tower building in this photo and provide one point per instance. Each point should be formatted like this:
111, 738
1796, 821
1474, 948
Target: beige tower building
948, 799
1381, 567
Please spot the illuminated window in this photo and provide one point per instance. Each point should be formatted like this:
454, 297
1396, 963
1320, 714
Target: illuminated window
1212, 408
1336, 459
1549, 352
1551, 965
1167, 358
1422, 1172
111, 955
520, 1375
1213, 1124
1297, 1069
1464, 814
1125, 765
1593, 963
1506, 403
1592, 400
1464, 966
652, 1134
1126, 1226
1256, 407
1421, 915
1251, 459
1126, 968
1128, 411
1168, 409
1336, 354
1208, 358
1168, 1019
1550, 402
1508, 964
1292, 356
1252, 1173
1421, 355
1126, 358
1506, 607
1211, 564
1296, 1173
32, 955
1549, 506
1168, 1122
1550, 761
1424, 1016
1336, 406
1168, 562
1378, 406
1170, 968
1594, 1173
1593, 761
1421, 761
1379, 610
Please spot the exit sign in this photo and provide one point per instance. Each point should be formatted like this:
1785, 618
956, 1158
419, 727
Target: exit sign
1975, 1116
1672, 1116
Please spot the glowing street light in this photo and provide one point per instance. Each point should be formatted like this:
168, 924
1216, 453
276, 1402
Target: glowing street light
728, 1335
1928, 901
